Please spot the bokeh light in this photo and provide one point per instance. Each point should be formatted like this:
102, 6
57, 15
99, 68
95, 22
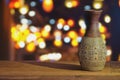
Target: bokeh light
71, 22
107, 18
66, 27
32, 13
30, 47
24, 9
97, 4
58, 43
32, 3
67, 40
42, 45
51, 57
47, 5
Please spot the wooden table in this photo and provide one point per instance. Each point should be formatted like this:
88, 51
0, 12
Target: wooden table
31, 70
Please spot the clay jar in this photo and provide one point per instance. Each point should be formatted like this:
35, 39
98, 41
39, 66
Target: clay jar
92, 49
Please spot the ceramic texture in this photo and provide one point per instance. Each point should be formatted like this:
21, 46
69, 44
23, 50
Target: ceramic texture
92, 54
92, 50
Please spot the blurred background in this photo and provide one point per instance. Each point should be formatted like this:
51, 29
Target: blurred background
51, 30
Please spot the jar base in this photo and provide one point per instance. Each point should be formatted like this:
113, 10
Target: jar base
92, 68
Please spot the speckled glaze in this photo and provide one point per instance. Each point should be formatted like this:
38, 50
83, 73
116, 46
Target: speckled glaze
92, 50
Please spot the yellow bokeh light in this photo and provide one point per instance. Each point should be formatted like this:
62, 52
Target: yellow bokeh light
58, 43
103, 36
71, 3
37, 34
72, 34
24, 9
40, 40
17, 4
15, 34
12, 11
45, 33
74, 43
97, 4
102, 29
68, 4
61, 21
30, 47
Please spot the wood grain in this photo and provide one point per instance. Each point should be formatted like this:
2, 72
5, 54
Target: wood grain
31, 70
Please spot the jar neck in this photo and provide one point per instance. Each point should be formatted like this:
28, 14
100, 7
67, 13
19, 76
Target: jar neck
92, 22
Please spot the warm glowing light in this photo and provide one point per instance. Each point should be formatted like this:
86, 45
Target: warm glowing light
68, 4
32, 13
50, 56
82, 31
57, 33
103, 36
30, 47
72, 34
97, 5
42, 45
17, 4
31, 37
75, 3
24, 21
47, 28
12, 11
71, 3
47, 5
59, 26
102, 29
61, 21
107, 18
11, 5
37, 34
109, 52
24, 9
74, 43
58, 43
16, 46
15, 34
45, 33
82, 24
33, 29
119, 2
40, 40
71, 22
21, 44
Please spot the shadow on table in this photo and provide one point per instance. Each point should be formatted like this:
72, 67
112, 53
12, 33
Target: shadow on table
57, 65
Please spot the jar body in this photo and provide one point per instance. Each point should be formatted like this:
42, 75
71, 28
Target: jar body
92, 50
92, 54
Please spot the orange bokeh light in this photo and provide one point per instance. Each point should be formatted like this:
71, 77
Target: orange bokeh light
47, 5
71, 22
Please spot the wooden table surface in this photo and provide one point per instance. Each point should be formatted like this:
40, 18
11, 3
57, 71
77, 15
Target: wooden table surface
31, 70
